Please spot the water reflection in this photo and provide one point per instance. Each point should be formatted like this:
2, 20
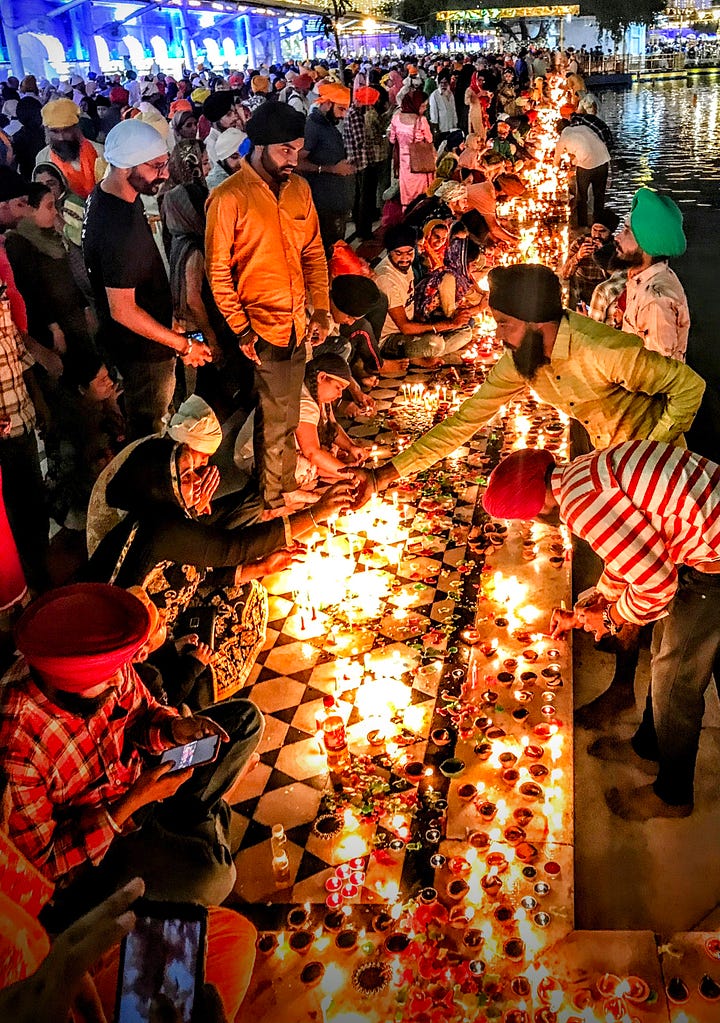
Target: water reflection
667, 135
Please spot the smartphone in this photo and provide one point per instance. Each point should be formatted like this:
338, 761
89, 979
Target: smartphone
192, 754
195, 335
162, 963
198, 620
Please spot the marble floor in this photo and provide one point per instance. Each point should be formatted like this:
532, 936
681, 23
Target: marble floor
661, 875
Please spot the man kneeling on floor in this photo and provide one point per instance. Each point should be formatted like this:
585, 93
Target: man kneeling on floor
90, 802
652, 513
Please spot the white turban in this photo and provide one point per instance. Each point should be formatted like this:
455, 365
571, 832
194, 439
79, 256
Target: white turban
229, 142
133, 142
196, 425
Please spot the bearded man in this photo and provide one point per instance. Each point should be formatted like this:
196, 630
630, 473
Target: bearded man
602, 377
265, 262
128, 278
67, 148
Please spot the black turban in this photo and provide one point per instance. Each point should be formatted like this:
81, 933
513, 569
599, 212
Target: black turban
353, 294
275, 123
218, 104
400, 236
527, 291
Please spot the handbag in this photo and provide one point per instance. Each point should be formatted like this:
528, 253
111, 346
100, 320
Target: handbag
422, 154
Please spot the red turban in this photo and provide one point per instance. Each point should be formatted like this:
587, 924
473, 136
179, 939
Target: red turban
344, 260
119, 95
78, 636
367, 96
516, 488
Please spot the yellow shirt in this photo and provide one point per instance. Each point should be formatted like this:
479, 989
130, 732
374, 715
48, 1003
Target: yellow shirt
263, 255
601, 376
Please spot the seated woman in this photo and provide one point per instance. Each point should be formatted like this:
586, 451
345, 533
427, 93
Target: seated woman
163, 546
430, 253
325, 450
444, 292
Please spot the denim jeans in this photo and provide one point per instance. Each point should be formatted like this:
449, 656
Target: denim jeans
685, 647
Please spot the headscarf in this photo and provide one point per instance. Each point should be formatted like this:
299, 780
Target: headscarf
427, 292
185, 164
183, 213
412, 101
45, 239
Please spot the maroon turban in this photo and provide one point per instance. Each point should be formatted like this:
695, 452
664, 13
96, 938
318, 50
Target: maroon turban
78, 636
516, 488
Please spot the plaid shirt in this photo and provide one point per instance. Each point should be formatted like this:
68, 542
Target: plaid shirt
585, 270
644, 508
375, 132
15, 360
65, 772
604, 303
354, 137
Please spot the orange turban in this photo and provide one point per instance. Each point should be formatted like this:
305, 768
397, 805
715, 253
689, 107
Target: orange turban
179, 105
367, 96
331, 92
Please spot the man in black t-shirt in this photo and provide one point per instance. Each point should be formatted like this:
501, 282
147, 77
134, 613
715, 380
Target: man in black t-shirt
128, 277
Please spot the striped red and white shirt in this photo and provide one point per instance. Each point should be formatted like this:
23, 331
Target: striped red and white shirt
644, 508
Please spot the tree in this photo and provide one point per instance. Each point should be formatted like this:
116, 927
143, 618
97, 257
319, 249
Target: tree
615, 16
329, 24
421, 13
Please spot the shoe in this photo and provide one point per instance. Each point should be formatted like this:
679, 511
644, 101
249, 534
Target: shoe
643, 805
620, 751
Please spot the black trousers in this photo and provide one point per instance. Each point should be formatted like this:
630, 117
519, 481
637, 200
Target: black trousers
278, 382
26, 505
597, 178
365, 213
332, 227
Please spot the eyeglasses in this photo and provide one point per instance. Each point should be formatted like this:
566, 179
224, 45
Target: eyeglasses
158, 166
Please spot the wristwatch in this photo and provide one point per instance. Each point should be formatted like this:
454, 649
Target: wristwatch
612, 627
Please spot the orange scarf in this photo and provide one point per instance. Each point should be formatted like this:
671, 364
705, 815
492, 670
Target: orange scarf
81, 181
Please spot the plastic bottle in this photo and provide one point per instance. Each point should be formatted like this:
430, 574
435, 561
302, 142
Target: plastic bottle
280, 861
334, 737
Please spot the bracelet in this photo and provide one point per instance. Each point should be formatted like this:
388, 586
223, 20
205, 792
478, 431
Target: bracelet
612, 627
374, 481
189, 348
314, 520
288, 531
113, 823
319, 170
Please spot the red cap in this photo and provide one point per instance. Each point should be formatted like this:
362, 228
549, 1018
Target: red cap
516, 488
78, 636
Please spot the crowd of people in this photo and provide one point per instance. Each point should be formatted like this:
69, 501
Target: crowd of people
186, 322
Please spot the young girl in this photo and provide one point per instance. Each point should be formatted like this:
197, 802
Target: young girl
325, 450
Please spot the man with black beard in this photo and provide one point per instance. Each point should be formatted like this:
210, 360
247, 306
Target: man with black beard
265, 262
324, 162
82, 740
67, 148
602, 377
128, 277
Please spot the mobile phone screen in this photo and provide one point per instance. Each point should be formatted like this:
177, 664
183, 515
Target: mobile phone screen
160, 968
192, 754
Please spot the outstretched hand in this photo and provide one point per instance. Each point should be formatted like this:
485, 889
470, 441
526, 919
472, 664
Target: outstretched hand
48, 995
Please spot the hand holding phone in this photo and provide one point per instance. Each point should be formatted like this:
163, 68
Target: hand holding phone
192, 754
162, 962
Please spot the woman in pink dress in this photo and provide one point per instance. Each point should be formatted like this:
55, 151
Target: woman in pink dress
410, 125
